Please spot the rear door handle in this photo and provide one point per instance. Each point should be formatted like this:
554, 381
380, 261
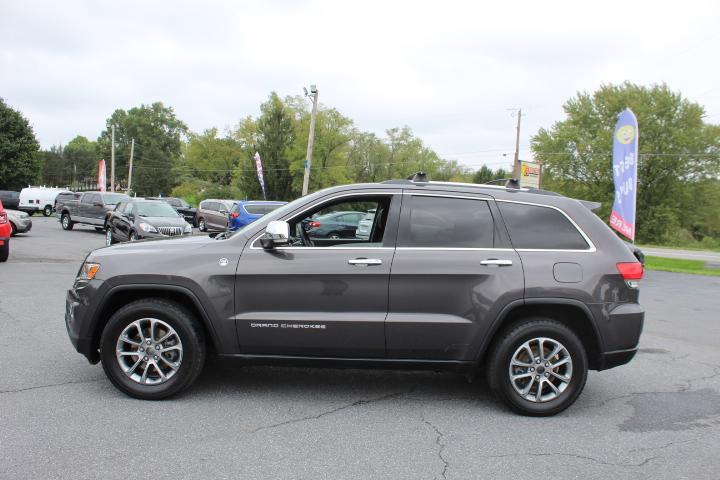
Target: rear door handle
365, 261
496, 262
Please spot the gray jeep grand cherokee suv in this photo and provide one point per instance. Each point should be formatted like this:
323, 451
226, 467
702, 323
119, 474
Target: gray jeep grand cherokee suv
529, 286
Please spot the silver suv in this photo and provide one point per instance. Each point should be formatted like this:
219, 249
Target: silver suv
529, 287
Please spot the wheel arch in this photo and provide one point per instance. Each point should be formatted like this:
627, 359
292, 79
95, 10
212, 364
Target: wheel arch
572, 313
124, 294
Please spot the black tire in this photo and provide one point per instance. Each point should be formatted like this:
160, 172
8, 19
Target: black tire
109, 239
47, 211
202, 226
13, 231
133, 236
334, 235
65, 221
183, 322
510, 340
5, 251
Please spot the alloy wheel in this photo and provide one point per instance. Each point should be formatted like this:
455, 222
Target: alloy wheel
149, 351
540, 369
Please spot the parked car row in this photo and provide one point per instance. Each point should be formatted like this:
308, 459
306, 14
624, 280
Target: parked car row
126, 219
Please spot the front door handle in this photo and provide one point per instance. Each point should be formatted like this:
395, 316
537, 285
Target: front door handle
365, 261
496, 262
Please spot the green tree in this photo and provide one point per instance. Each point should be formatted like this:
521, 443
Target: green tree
676, 150
272, 135
158, 135
54, 170
485, 174
80, 161
20, 163
210, 157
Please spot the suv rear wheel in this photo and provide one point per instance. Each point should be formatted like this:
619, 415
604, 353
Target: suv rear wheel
65, 221
201, 225
47, 211
152, 349
538, 367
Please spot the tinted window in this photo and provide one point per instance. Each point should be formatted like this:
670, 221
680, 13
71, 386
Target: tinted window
260, 209
447, 222
531, 226
209, 206
88, 198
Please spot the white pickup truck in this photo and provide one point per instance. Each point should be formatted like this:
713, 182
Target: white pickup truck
89, 208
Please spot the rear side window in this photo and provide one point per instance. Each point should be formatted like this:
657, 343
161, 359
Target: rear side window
447, 223
260, 209
535, 227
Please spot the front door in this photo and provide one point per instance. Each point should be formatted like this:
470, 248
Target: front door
453, 272
319, 297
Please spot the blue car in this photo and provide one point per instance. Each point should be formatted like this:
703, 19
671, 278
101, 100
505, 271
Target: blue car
248, 211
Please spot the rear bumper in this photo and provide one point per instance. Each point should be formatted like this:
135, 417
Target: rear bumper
616, 358
621, 334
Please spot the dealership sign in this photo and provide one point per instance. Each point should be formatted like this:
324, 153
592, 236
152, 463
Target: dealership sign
625, 154
529, 174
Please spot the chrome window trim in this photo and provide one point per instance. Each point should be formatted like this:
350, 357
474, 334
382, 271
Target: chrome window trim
459, 249
591, 246
329, 199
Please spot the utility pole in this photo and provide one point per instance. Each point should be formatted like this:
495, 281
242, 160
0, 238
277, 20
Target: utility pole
132, 152
311, 139
112, 160
516, 162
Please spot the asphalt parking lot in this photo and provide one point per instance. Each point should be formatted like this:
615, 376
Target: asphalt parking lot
658, 417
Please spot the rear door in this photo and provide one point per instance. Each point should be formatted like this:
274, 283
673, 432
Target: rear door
453, 272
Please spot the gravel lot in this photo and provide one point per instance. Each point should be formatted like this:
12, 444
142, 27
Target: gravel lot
658, 417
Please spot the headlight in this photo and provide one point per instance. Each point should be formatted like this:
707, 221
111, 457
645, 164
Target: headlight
188, 228
88, 271
146, 227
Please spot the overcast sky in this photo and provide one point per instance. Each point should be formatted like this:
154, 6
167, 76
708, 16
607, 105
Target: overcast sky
449, 70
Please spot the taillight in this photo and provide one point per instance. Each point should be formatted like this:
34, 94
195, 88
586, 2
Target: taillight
314, 224
234, 215
631, 272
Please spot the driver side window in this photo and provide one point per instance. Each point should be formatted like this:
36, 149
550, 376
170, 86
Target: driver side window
351, 221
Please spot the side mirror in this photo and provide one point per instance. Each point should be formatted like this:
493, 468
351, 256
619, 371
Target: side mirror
98, 204
223, 212
277, 233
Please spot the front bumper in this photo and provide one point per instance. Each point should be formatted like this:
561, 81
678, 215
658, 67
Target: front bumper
80, 315
23, 226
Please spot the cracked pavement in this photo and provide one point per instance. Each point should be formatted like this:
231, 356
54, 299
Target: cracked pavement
658, 417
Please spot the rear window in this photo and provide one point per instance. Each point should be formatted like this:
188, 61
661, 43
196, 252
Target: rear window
536, 227
260, 209
447, 223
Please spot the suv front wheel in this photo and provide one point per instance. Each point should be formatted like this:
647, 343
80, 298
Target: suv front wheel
538, 367
152, 349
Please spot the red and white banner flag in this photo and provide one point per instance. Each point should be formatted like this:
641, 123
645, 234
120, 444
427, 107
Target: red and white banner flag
102, 177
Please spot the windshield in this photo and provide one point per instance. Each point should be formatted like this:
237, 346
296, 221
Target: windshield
155, 209
114, 198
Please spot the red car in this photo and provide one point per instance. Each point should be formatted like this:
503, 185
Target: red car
5, 232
